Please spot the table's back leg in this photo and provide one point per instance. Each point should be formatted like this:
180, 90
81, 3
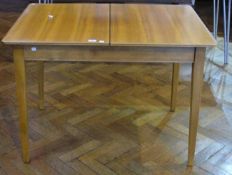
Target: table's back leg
40, 66
175, 81
20, 75
197, 80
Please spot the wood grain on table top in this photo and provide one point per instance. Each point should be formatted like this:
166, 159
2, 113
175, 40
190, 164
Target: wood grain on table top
69, 24
110, 24
158, 25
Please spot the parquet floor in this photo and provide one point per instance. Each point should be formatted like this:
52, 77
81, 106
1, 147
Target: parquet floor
109, 119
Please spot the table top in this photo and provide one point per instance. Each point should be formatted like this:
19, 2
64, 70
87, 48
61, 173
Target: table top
110, 24
61, 24
159, 25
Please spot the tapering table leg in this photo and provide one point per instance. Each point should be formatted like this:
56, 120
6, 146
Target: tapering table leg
40, 65
20, 75
175, 81
197, 80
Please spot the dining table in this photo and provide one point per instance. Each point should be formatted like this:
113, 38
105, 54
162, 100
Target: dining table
109, 33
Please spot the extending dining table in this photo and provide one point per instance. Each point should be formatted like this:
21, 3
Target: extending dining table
116, 33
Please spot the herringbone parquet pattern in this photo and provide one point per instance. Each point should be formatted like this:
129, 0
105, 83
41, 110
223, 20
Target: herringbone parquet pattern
108, 119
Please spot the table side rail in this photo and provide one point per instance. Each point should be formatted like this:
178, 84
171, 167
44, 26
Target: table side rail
109, 54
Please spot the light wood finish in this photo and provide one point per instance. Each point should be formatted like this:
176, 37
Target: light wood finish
137, 33
22, 103
131, 24
110, 54
40, 65
197, 79
175, 81
77, 118
158, 25
69, 24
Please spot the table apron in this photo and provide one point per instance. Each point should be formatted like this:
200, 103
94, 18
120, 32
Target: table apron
110, 54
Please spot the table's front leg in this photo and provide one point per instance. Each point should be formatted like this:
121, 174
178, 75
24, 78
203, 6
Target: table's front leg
20, 75
196, 87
